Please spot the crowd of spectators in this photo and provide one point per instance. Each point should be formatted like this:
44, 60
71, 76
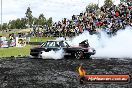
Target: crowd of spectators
110, 19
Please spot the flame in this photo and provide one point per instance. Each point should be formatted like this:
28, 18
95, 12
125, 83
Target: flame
81, 71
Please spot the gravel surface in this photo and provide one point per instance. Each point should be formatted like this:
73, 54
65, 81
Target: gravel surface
39, 73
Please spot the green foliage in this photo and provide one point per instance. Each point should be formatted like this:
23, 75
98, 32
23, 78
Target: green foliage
4, 26
41, 20
108, 3
12, 24
29, 16
28, 13
17, 24
35, 21
91, 6
49, 22
23, 23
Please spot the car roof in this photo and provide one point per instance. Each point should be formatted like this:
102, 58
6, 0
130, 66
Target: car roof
55, 40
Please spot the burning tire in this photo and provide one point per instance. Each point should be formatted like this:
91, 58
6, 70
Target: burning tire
78, 54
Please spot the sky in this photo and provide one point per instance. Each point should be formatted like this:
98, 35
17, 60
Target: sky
57, 9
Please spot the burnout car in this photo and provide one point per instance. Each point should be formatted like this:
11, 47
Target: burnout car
78, 52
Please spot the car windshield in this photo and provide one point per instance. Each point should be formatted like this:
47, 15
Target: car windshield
55, 44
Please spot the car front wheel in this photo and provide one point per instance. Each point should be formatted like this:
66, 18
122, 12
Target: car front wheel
40, 55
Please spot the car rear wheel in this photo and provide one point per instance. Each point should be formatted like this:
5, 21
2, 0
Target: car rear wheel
78, 54
87, 56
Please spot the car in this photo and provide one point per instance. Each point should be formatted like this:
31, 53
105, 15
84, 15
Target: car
77, 52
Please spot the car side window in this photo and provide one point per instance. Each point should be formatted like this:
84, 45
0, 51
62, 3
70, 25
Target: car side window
51, 44
44, 44
57, 44
47, 44
62, 44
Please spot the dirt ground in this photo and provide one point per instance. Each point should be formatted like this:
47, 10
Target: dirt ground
39, 73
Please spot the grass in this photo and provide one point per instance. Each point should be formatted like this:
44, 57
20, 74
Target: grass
23, 51
15, 51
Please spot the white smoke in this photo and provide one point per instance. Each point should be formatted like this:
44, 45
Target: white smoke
53, 54
118, 46
92, 39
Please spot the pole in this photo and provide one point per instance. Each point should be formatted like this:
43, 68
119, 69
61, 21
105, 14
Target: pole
98, 3
1, 15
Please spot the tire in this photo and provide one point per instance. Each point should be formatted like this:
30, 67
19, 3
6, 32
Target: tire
39, 55
78, 55
82, 80
87, 56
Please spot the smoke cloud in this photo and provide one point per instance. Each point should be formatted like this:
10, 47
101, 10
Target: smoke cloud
53, 54
118, 46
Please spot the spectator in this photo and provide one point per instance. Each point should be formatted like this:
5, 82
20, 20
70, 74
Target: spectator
111, 19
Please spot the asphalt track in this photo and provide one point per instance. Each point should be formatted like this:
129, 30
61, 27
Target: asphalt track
39, 73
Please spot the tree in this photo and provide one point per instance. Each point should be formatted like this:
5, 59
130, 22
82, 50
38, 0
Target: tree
91, 7
41, 20
29, 16
49, 22
4, 26
35, 21
12, 24
23, 23
18, 24
108, 3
